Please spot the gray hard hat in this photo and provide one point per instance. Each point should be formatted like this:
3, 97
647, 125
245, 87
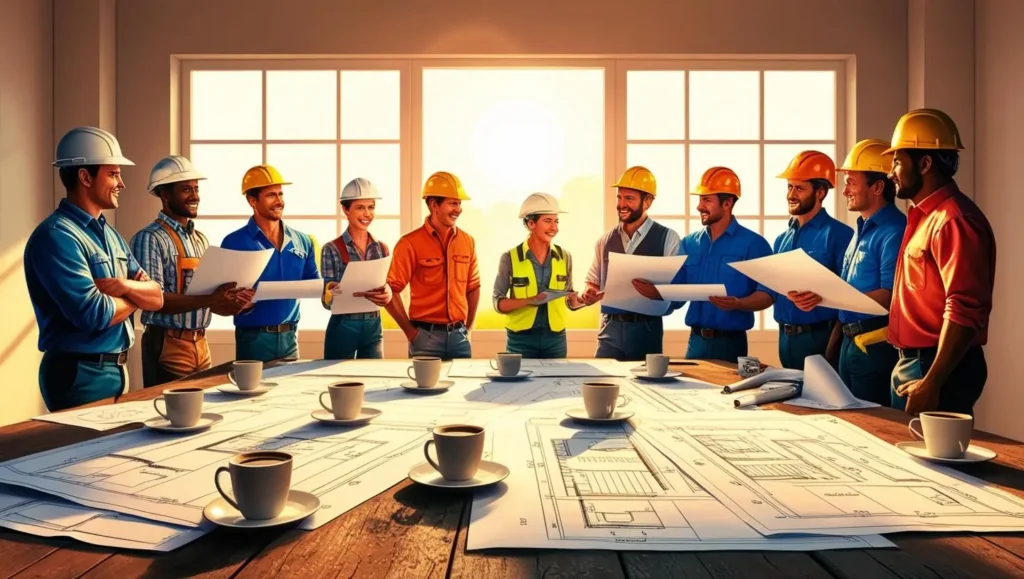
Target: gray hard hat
88, 146
171, 170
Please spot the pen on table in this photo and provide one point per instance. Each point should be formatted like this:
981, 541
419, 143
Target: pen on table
771, 395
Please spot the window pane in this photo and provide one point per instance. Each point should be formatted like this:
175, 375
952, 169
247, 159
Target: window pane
381, 164
773, 228
745, 160
385, 229
695, 225
226, 104
677, 225
654, 104
302, 104
724, 105
677, 319
370, 104
776, 159
768, 319
810, 116
313, 172
668, 163
312, 314
224, 166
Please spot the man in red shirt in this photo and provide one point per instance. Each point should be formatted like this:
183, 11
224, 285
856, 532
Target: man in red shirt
942, 293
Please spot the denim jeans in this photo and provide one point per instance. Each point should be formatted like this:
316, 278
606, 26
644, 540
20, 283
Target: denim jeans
794, 348
868, 376
727, 348
537, 343
441, 343
351, 337
66, 382
629, 340
265, 346
960, 391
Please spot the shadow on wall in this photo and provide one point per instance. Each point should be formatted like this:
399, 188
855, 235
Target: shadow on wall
20, 354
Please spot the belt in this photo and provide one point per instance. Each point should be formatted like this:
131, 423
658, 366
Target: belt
712, 333
631, 317
791, 330
864, 326
918, 352
182, 334
278, 329
538, 330
120, 358
430, 327
360, 316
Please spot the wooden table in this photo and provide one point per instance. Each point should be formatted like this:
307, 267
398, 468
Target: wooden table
408, 531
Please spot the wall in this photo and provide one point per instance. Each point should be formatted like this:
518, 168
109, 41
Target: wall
26, 151
999, 120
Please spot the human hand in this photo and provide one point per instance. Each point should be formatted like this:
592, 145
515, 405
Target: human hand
727, 303
380, 296
805, 301
537, 299
223, 300
920, 394
646, 289
114, 287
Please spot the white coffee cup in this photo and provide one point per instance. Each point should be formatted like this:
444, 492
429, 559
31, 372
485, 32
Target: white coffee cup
183, 406
657, 365
507, 363
748, 366
246, 374
260, 482
425, 370
346, 399
600, 398
945, 434
459, 448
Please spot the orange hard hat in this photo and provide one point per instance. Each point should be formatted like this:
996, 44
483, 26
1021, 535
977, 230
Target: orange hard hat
807, 165
718, 180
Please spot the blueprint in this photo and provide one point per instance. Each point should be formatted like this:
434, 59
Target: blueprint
559, 368
686, 395
103, 418
370, 369
606, 488
819, 474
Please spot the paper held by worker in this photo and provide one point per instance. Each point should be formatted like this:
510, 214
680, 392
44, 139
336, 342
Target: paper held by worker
360, 276
289, 290
623, 268
219, 266
797, 272
550, 296
690, 292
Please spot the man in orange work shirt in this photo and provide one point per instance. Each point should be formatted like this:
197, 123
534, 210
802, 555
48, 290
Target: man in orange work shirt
438, 262
942, 292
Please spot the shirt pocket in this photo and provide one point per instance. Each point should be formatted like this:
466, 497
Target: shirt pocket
430, 271
100, 266
728, 274
916, 271
461, 265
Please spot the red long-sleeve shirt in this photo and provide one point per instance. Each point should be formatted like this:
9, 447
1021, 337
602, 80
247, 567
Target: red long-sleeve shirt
945, 270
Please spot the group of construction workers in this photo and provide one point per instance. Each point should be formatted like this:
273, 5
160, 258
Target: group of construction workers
933, 269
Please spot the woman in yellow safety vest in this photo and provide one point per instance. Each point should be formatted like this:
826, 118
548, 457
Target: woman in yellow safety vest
534, 284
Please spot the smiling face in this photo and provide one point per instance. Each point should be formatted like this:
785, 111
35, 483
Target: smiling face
711, 209
360, 213
544, 227
859, 195
181, 199
104, 188
631, 204
802, 197
269, 204
906, 175
446, 212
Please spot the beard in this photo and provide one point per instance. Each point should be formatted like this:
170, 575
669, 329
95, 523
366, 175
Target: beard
633, 217
711, 218
181, 209
909, 186
803, 208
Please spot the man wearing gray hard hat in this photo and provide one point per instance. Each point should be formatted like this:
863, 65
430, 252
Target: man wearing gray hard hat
82, 279
169, 249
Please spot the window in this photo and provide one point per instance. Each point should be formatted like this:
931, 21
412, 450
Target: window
320, 128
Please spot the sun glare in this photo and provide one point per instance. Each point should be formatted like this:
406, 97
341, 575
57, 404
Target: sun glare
519, 143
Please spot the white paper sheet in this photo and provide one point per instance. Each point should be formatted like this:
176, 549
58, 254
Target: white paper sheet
623, 268
390, 368
103, 417
686, 395
551, 368
360, 276
691, 292
552, 295
824, 389
289, 290
219, 266
797, 271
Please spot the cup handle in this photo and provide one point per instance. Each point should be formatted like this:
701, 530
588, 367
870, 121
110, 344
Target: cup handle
621, 402
494, 364
231, 378
408, 372
914, 432
158, 399
426, 453
326, 407
216, 483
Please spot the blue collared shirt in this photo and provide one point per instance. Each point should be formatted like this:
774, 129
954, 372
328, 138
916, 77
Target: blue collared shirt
65, 253
707, 262
825, 239
870, 260
158, 254
295, 261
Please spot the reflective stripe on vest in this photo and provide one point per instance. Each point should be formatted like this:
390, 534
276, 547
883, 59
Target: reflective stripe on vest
524, 285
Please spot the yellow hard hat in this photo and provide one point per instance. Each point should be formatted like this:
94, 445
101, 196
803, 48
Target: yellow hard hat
444, 184
807, 165
262, 176
925, 129
639, 178
868, 155
718, 180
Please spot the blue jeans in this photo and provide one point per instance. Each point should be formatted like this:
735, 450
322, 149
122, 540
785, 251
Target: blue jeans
537, 343
629, 340
794, 348
441, 343
727, 348
960, 391
352, 336
868, 376
265, 346
66, 382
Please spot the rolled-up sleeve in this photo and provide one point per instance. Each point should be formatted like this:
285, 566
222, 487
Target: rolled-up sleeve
402, 262
594, 274
61, 267
965, 254
502, 281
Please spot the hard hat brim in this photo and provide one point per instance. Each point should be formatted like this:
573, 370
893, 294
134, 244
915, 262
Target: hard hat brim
82, 161
360, 197
543, 212
175, 179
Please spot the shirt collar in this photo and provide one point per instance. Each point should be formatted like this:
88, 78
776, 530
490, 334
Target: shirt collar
430, 229
347, 239
257, 233
730, 230
881, 217
931, 202
817, 221
188, 228
642, 230
78, 214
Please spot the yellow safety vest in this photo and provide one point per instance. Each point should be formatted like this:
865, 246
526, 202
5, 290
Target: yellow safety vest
524, 285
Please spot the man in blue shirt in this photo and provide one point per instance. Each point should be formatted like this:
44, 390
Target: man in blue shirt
267, 330
82, 279
715, 333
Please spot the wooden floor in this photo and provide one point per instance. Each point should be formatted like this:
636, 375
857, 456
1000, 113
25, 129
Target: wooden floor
409, 531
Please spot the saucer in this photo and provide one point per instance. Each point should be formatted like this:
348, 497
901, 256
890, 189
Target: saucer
299, 506
641, 374
580, 415
441, 386
366, 414
206, 420
974, 453
488, 474
235, 390
495, 376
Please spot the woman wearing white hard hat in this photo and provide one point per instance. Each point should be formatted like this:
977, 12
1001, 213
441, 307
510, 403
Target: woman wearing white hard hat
357, 334
534, 285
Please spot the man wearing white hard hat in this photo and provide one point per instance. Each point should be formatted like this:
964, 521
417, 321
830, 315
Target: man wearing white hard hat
169, 249
82, 279
360, 334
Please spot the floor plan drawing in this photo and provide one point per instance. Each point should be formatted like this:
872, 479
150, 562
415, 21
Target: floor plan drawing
554, 393
103, 417
541, 368
687, 396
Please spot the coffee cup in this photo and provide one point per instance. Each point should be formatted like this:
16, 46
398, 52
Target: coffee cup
346, 399
246, 374
183, 406
600, 398
945, 434
657, 365
748, 366
507, 363
260, 482
459, 448
425, 370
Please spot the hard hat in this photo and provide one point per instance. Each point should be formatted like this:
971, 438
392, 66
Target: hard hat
639, 178
262, 176
809, 165
868, 155
359, 188
444, 184
718, 180
172, 169
88, 146
539, 204
925, 129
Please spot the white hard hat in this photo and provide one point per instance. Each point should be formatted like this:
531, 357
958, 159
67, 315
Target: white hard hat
359, 188
172, 169
539, 204
88, 146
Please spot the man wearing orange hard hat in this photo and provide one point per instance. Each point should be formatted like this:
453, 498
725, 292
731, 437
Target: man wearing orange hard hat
267, 330
942, 293
438, 263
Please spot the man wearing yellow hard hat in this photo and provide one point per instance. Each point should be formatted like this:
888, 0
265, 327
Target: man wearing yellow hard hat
438, 263
267, 330
530, 272
716, 333
942, 293
627, 335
